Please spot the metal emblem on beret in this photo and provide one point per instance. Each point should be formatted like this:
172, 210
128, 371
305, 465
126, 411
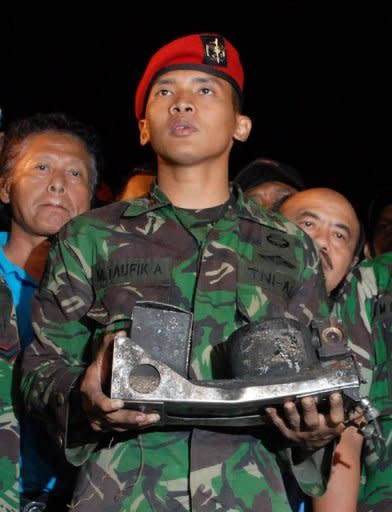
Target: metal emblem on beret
214, 51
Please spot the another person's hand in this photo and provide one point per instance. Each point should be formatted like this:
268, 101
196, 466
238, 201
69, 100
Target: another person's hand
103, 413
308, 427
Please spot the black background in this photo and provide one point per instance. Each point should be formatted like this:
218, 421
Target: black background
317, 83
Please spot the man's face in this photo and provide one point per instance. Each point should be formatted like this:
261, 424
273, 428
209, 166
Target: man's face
49, 183
190, 118
268, 193
382, 238
331, 221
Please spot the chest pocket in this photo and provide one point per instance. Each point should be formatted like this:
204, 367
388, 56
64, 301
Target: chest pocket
119, 284
267, 283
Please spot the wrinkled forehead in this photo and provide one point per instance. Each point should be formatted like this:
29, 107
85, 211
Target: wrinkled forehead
332, 208
52, 143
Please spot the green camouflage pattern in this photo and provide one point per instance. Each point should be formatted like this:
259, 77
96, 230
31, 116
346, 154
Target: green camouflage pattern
248, 265
9, 426
366, 312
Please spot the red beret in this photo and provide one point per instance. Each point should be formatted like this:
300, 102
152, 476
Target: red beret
210, 53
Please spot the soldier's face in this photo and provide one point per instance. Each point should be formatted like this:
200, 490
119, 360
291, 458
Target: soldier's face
190, 118
49, 183
332, 223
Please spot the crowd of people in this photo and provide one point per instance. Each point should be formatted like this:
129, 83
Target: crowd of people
181, 234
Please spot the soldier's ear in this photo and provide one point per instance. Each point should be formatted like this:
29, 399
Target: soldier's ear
243, 128
144, 132
5, 189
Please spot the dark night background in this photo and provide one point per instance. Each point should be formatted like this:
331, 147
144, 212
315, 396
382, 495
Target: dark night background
317, 80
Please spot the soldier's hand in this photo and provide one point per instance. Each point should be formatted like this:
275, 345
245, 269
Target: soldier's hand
308, 426
103, 413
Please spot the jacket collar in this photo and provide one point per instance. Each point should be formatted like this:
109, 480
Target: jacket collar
242, 207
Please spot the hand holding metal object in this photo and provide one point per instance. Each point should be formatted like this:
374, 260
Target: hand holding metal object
262, 364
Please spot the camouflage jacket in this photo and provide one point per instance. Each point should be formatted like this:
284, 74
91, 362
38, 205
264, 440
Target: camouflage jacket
248, 265
366, 311
9, 425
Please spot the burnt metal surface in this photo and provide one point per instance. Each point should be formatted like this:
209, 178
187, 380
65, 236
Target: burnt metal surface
266, 363
269, 349
165, 332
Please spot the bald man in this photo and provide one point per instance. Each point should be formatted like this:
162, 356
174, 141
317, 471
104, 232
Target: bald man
329, 218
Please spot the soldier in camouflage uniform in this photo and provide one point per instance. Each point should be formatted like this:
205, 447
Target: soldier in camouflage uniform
367, 315
45, 179
330, 219
197, 244
9, 431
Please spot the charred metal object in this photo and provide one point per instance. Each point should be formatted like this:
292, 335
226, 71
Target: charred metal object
261, 364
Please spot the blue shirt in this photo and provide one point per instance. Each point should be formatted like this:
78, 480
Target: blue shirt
36, 473
22, 287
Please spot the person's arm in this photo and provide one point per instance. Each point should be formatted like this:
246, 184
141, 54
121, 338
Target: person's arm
57, 358
354, 312
309, 432
61, 379
9, 439
306, 426
343, 486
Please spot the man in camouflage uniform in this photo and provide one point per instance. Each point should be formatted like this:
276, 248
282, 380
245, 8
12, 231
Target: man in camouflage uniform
366, 311
330, 219
197, 244
9, 432
47, 175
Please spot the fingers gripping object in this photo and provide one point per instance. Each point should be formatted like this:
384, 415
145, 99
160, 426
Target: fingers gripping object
261, 364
